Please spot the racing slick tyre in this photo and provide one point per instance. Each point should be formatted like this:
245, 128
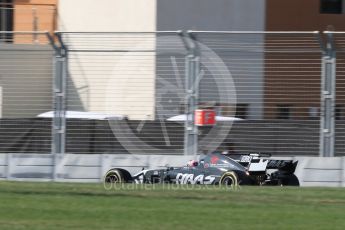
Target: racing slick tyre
113, 176
290, 180
229, 179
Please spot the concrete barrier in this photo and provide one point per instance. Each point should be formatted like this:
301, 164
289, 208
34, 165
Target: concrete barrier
311, 171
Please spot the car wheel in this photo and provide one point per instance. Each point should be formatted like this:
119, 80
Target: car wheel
113, 176
229, 179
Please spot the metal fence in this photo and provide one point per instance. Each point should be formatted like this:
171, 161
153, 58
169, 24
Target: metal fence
131, 92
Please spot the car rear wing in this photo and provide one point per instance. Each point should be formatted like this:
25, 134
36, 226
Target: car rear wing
257, 160
249, 154
288, 166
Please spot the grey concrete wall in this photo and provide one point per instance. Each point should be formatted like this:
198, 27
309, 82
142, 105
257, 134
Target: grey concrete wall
211, 15
311, 171
26, 73
245, 65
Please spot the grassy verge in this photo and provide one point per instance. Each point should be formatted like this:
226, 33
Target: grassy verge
89, 206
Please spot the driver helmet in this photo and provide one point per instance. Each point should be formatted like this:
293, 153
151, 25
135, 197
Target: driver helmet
192, 163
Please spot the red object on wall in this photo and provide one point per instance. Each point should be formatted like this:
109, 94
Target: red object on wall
204, 117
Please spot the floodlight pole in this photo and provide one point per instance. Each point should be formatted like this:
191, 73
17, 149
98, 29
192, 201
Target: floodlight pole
192, 63
328, 97
59, 91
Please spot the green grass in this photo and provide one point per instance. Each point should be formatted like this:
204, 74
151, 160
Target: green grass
26, 205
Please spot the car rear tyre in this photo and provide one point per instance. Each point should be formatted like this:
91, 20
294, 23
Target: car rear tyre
290, 180
229, 179
113, 176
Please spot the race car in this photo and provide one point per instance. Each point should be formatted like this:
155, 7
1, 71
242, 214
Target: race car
217, 169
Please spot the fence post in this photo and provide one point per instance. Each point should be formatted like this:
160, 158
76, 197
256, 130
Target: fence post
9, 160
192, 93
59, 91
328, 96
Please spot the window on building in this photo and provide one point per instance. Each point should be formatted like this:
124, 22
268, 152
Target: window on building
283, 111
331, 7
6, 20
241, 111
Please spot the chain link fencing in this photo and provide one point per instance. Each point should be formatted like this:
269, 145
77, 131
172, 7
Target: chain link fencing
134, 92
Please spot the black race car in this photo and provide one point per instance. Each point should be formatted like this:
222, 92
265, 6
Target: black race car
215, 169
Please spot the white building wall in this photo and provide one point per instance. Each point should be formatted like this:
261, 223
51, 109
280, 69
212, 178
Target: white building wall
107, 15
114, 83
